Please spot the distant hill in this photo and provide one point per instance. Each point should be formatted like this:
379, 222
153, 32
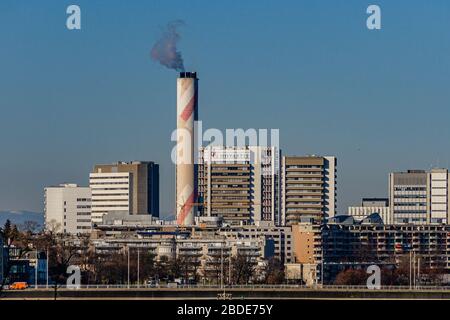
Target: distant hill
168, 217
19, 217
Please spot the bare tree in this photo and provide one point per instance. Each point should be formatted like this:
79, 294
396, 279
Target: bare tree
30, 226
13, 239
242, 269
351, 277
274, 272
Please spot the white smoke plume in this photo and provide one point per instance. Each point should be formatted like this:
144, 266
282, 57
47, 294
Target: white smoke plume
165, 49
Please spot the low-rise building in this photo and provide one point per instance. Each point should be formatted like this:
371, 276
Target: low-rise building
281, 237
206, 227
204, 255
370, 206
344, 243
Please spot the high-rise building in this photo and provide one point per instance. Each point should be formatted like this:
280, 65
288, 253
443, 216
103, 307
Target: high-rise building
239, 184
408, 196
439, 196
128, 187
419, 196
308, 188
67, 208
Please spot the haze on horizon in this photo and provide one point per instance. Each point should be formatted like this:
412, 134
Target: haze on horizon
378, 100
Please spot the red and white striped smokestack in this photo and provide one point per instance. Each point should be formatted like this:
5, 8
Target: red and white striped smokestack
186, 170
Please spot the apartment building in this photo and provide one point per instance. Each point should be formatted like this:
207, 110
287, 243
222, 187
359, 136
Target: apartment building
125, 187
281, 237
418, 196
369, 206
203, 256
344, 244
239, 184
67, 208
308, 188
307, 249
206, 227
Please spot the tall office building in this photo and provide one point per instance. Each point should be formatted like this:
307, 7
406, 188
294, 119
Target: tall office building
419, 197
439, 196
239, 184
67, 208
409, 196
308, 188
128, 187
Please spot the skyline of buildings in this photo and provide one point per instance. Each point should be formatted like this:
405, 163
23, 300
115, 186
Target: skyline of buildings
267, 204
254, 202
154, 190
418, 194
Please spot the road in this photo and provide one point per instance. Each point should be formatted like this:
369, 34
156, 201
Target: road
217, 293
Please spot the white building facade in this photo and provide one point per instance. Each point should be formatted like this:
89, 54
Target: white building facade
110, 193
439, 192
370, 206
359, 213
419, 197
67, 208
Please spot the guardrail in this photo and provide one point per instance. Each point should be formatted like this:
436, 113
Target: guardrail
248, 286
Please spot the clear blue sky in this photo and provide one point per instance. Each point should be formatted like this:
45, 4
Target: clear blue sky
378, 100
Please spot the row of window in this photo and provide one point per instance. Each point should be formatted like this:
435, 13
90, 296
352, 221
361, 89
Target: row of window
410, 196
410, 212
103, 183
397, 188
108, 200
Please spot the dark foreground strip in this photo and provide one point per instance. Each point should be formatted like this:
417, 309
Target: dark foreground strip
210, 309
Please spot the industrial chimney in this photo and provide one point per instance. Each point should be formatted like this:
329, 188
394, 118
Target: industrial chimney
186, 169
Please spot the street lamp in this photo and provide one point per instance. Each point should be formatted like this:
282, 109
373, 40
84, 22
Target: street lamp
138, 265
128, 265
